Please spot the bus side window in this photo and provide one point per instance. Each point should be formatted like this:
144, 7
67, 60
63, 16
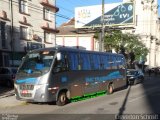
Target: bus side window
122, 63
96, 60
102, 62
115, 62
106, 64
73, 61
110, 61
86, 62
118, 62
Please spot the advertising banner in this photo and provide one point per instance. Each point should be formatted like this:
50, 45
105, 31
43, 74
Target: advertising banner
114, 14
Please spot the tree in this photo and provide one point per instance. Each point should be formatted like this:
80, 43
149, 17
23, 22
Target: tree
125, 43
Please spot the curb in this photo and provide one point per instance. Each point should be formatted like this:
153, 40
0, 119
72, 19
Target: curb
7, 94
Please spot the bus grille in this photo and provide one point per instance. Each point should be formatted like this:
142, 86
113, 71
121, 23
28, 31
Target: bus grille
26, 87
26, 95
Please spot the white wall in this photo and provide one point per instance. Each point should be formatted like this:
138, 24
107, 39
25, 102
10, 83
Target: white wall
85, 42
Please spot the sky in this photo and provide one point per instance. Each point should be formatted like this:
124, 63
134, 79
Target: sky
66, 8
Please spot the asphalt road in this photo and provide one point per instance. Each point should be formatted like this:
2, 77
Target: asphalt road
140, 99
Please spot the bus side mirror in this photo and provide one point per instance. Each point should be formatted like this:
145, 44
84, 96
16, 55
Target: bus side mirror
59, 56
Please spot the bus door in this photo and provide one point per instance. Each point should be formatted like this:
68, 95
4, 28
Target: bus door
92, 62
60, 71
75, 75
76, 85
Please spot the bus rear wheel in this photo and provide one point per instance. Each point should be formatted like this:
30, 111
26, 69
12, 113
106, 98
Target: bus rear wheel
62, 99
110, 89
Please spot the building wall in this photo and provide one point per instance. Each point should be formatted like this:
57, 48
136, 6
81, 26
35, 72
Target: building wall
33, 20
146, 26
78, 41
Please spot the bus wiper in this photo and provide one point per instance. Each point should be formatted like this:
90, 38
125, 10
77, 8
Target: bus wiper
37, 70
24, 71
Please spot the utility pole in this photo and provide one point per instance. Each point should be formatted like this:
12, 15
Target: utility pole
101, 40
12, 39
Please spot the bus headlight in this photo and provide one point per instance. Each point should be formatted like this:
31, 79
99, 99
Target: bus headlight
40, 86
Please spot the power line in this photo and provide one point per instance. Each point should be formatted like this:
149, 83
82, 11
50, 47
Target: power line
35, 7
41, 9
65, 9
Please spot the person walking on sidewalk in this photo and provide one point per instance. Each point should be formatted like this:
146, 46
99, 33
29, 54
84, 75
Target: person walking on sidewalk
155, 71
149, 72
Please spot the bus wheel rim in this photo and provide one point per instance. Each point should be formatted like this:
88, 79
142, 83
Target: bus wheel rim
63, 98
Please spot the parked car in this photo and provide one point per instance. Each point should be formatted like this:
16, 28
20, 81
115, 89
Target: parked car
7, 76
155, 70
134, 76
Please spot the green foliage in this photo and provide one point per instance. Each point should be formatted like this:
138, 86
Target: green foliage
130, 42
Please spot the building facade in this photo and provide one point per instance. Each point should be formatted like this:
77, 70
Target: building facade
69, 36
25, 25
147, 26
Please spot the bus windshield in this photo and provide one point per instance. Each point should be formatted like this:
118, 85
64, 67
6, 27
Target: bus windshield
37, 63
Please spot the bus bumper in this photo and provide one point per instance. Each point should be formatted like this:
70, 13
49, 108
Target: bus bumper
39, 93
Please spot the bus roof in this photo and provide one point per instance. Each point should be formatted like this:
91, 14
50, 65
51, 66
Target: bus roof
73, 50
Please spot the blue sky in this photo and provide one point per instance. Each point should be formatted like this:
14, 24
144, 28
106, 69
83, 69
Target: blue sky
66, 8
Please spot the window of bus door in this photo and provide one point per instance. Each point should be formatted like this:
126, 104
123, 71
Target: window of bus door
61, 65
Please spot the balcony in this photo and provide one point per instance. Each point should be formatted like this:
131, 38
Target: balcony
49, 29
45, 3
25, 22
3, 16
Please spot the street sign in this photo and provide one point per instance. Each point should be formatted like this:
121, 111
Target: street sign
114, 14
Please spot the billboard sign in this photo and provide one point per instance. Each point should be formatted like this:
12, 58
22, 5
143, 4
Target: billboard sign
114, 14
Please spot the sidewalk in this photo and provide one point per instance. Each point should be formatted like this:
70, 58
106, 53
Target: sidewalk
8, 99
10, 102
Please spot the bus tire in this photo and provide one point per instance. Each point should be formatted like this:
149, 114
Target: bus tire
110, 89
62, 99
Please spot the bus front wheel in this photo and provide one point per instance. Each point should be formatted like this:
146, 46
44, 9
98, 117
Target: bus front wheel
62, 99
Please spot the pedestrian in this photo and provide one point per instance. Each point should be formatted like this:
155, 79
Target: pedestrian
149, 72
155, 71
